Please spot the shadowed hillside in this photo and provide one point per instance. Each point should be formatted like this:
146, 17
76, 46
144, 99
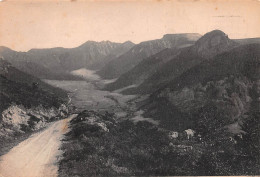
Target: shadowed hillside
229, 82
143, 70
208, 46
130, 59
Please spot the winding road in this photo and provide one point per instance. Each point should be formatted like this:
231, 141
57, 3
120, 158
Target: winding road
38, 155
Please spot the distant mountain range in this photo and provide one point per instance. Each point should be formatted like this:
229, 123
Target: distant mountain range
168, 64
215, 74
56, 63
109, 58
143, 50
247, 40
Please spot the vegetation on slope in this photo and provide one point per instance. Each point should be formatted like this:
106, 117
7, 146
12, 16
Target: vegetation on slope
23, 89
97, 145
26, 105
218, 99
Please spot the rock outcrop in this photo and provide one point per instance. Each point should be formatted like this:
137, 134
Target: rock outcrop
17, 119
27, 103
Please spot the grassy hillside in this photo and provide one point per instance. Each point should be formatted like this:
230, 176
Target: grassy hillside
23, 89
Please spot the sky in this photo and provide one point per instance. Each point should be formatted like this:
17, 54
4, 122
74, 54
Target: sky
26, 24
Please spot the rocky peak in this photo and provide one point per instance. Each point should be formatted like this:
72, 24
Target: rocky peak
128, 43
5, 50
213, 43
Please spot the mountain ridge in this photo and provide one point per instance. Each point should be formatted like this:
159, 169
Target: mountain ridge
232, 77
141, 51
204, 48
56, 63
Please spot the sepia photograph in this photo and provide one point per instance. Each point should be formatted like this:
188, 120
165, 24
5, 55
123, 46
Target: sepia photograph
129, 88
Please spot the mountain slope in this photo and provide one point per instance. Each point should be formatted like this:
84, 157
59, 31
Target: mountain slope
75, 58
248, 41
20, 88
220, 100
208, 46
7, 71
34, 65
27, 103
143, 50
241, 60
227, 84
143, 70
121, 49
56, 63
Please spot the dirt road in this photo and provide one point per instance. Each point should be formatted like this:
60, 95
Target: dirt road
38, 155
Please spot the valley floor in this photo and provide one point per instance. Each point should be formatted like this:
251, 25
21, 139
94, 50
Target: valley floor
36, 156
109, 137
